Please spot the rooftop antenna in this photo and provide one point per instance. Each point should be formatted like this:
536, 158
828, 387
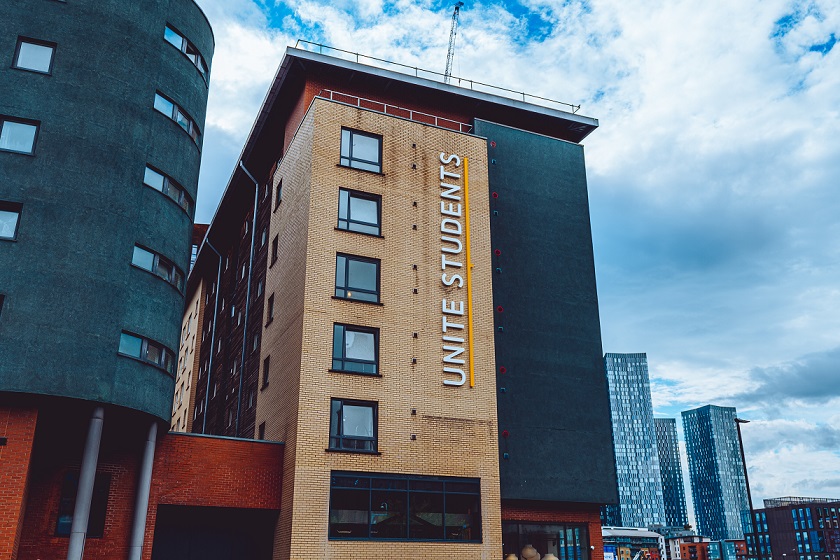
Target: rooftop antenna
453, 31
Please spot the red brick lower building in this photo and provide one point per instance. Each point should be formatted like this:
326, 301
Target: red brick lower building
210, 497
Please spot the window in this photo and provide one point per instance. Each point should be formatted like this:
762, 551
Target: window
148, 351
270, 310
279, 194
256, 342
359, 212
98, 504
355, 349
169, 187
266, 366
353, 425
356, 278
360, 150
159, 265
9, 218
261, 431
174, 112
34, 55
182, 44
18, 135
568, 541
404, 507
274, 248
2, 301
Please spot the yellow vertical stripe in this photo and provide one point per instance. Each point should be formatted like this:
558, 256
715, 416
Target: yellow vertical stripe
469, 271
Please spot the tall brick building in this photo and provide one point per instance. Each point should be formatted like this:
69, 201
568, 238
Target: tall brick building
399, 285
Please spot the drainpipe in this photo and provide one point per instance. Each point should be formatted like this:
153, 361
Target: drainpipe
84, 492
144, 484
247, 297
212, 335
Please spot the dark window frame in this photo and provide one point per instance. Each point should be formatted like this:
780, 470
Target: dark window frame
144, 353
40, 43
346, 288
341, 442
184, 201
339, 362
192, 131
346, 223
18, 120
350, 160
202, 68
98, 507
265, 371
275, 249
382, 488
175, 278
579, 549
278, 194
14, 208
269, 309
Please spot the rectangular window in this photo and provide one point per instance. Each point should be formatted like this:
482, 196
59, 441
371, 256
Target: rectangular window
266, 367
261, 431
270, 310
148, 351
279, 194
181, 43
361, 150
34, 55
274, 248
18, 135
169, 187
569, 541
9, 219
355, 349
174, 112
158, 265
404, 507
2, 301
98, 505
359, 212
356, 278
353, 425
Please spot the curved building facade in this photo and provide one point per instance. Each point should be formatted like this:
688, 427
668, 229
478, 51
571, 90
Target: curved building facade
102, 107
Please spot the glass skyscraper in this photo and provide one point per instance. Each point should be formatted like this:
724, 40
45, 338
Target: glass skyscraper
671, 469
636, 457
718, 487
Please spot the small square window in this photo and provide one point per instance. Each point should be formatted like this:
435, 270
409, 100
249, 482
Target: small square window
355, 349
34, 55
9, 219
356, 278
353, 425
360, 150
18, 136
359, 212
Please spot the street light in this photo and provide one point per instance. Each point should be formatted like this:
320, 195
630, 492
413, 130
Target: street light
738, 422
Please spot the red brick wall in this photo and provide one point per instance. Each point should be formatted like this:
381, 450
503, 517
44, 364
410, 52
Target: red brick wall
188, 470
17, 425
560, 513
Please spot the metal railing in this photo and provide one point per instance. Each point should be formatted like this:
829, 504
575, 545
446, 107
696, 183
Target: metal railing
436, 76
393, 110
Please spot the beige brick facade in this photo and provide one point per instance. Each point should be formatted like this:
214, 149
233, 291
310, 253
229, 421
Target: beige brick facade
454, 427
183, 404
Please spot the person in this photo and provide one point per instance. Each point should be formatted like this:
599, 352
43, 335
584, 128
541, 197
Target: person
530, 553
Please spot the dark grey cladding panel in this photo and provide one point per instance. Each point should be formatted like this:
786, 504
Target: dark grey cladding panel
553, 400
70, 288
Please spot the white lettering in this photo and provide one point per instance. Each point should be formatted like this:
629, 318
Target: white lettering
447, 281
455, 226
450, 159
447, 324
450, 189
459, 372
444, 263
451, 309
450, 211
453, 357
450, 250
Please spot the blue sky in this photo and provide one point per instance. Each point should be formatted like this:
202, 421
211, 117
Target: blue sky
713, 179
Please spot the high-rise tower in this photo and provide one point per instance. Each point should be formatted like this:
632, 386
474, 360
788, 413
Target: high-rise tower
636, 456
670, 466
718, 487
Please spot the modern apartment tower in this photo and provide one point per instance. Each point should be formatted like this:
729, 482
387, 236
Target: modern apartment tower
102, 105
718, 487
636, 457
360, 295
670, 467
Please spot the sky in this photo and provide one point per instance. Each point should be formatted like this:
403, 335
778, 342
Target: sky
713, 178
